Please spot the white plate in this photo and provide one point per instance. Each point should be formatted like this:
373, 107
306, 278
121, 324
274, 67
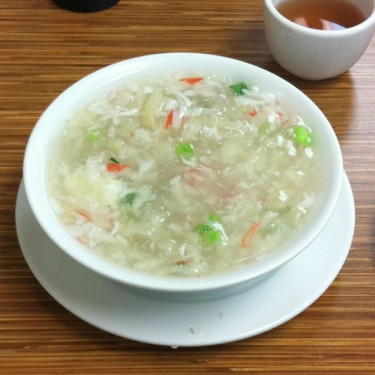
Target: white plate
115, 309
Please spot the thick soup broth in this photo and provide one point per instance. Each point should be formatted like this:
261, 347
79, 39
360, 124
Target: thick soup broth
185, 176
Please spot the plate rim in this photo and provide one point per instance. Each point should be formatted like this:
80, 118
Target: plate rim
192, 340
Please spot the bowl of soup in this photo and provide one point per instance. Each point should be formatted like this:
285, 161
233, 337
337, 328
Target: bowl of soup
182, 173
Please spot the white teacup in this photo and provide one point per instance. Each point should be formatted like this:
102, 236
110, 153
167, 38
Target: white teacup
317, 54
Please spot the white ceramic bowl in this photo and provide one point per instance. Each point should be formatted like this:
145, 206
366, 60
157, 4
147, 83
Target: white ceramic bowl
52, 121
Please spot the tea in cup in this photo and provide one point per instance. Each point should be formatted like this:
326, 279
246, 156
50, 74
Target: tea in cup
318, 39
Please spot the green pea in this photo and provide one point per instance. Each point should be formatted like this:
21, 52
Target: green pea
184, 150
302, 136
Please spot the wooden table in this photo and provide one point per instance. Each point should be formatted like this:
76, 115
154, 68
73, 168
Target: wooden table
44, 49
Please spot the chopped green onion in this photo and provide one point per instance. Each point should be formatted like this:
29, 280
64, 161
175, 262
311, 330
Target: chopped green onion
271, 229
214, 218
302, 136
208, 233
203, 228
185, 150
265, 128
94, 135
213, 237
238, 88
114, 160
128, 200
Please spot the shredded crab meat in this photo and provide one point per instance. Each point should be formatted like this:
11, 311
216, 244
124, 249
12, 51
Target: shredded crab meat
116, 226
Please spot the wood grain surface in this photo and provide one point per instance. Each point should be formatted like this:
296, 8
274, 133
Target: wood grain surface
43, 50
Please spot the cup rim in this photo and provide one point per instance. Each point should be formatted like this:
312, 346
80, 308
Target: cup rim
367, 23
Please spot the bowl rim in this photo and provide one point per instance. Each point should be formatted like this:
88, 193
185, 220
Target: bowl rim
141, 280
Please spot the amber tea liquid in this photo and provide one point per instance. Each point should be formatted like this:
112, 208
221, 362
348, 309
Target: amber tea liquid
322, 14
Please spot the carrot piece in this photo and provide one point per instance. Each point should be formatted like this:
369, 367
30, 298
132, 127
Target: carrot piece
191, 80
250, 234
116, 168
253, 113
169, 120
